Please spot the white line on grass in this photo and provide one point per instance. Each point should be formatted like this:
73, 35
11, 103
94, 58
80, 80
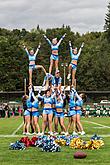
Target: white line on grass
17, 129
104, 126
12, 136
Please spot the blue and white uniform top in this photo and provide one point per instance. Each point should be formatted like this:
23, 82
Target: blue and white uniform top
32, 57
59, 104
72, 101
28, 102
35, 103
56, 81
48, 77
46, 100
74, 57
79, 101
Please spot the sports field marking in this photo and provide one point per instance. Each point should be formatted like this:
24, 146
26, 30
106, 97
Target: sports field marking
13, 136
104, 126
17, 129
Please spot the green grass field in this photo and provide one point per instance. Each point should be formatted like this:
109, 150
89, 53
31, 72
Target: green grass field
9, 133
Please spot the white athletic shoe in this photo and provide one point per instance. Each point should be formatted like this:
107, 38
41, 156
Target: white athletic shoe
38, 133
28, 133
74, 133
83, 133
42, 133
51, 133
66, 133
69, 75
24, 133
62, 133
34, 133
55, 133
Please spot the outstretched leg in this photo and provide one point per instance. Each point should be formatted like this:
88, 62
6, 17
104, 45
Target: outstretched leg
40, 66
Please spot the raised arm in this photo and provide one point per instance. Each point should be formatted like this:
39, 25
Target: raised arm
39, 95
34, 97
37, 49
59, 42
25, 48
79, 52
71, 50
47, 39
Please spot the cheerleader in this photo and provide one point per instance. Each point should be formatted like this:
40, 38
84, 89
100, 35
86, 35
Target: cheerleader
54, 47
35, 114
59, 114
71, 112
32, 58
47, 100
78, 109
73, 65
27, 114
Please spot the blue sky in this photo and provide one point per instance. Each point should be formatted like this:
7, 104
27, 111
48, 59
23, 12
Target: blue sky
82, 15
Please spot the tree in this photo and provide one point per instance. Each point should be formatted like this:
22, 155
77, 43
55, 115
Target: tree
107, 24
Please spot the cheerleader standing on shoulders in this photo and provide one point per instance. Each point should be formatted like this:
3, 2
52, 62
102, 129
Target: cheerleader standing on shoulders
32, 58
73, 65
54, 47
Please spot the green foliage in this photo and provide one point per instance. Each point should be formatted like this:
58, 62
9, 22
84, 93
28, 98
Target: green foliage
93, 65
107, 24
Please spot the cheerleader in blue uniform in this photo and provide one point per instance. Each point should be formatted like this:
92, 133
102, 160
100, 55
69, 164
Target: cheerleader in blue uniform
32, 58
71, 112
78, 109
59, 114
35, 114
73, 65
54, 47
27, 114
47, 100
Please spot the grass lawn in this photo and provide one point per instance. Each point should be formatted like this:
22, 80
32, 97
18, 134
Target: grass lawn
33, 155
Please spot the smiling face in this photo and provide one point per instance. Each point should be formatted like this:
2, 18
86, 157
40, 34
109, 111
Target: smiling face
54, 41
75, 51
31, 52
48, 93
57, 74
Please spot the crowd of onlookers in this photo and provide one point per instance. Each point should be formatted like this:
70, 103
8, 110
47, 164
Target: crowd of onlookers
7, 110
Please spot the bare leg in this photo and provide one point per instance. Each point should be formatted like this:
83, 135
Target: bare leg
56, 124
36, 125
56, 64
69, 73
51, 65
30, 76
69, 124
27, 121
79, 122
40, 66
73, 77
62, 124
44, 122
50, 116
